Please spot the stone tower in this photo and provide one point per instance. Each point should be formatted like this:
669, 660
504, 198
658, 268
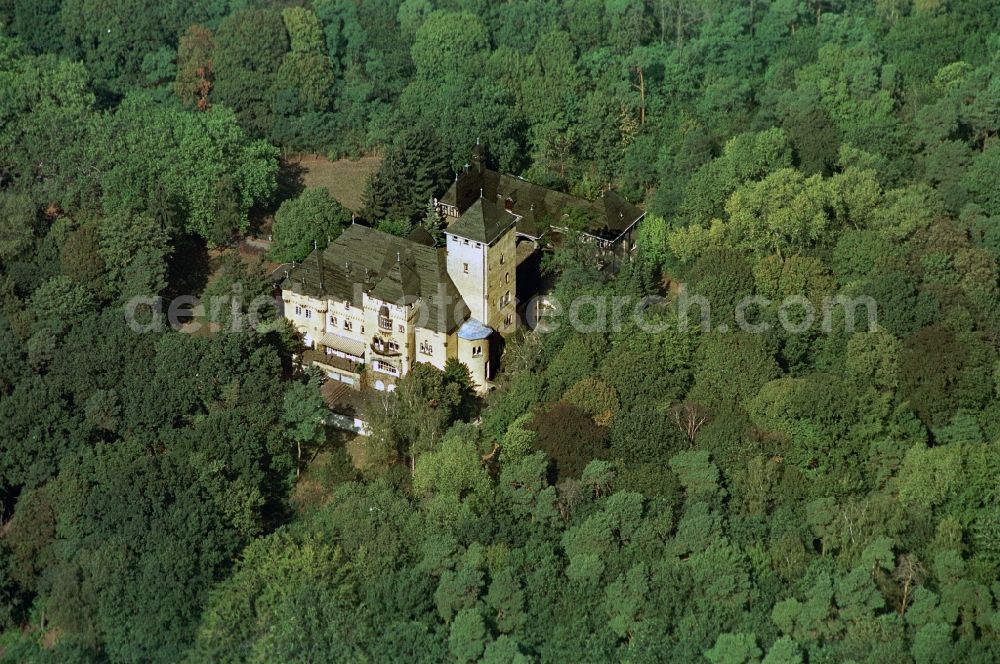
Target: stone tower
481, 262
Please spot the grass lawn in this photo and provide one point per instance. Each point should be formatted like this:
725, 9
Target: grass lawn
344, 178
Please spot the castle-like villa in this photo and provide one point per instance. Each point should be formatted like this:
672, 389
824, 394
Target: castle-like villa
377, 301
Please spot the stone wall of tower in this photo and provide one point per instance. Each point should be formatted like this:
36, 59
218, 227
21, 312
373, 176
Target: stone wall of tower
467, 269
476, 356
501, 283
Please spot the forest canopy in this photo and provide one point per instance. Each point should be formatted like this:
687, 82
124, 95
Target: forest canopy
678, 496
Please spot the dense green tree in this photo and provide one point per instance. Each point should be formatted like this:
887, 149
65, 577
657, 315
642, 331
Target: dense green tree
977, 177
17, 214
731, 368
36, 24
411, 420
745, 157
134, 250
112, 48
291, 595
313, 219
412, 171
47, 108
180, 165
303, 414
306, 66
250, 45
700, 494
454, 469
570, 437
939, 369
140, 600
645, 435
239, 297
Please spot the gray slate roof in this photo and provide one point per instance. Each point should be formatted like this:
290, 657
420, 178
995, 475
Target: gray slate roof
483, 221
539, 207
390, 268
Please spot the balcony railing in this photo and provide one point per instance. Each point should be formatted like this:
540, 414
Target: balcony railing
384, 350
319, 357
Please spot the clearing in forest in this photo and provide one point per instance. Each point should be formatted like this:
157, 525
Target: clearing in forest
345, 178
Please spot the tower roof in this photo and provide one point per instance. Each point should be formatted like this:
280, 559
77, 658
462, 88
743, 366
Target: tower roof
484, 221
474, 330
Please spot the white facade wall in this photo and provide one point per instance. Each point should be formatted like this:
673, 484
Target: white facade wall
467, 269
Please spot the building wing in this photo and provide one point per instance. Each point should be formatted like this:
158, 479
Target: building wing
389, 268
479, 192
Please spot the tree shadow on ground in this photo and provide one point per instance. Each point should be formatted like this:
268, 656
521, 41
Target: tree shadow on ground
189, 267
291, 182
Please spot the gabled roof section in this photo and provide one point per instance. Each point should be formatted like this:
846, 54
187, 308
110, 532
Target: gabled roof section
400, 281
484, 221
619, 215
420, 235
